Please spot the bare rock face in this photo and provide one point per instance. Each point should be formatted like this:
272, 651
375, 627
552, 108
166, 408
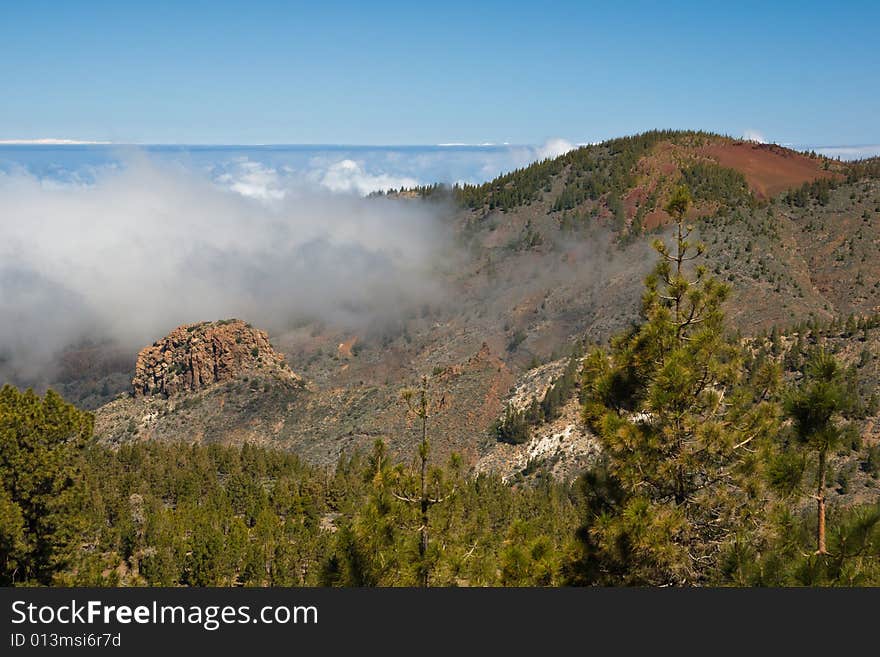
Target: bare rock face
195, 356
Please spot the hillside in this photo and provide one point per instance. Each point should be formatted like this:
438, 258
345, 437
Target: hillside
629, 179
550, 256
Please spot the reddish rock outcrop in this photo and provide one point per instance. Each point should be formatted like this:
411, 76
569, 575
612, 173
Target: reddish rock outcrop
195, 356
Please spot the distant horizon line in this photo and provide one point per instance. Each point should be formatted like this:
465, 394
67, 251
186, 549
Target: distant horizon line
84, 142
51, 141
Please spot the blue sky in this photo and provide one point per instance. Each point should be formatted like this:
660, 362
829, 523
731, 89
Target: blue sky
804, 73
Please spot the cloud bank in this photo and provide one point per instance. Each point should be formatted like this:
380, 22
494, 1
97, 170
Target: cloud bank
151, 246
850, 152
124, 244
49, 141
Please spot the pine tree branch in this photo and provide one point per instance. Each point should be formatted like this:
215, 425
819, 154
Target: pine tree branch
746, 441
438, 500
407, 499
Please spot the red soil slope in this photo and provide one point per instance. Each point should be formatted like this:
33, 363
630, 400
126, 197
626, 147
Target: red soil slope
769, 169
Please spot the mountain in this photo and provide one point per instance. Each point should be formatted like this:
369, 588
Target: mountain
550, 258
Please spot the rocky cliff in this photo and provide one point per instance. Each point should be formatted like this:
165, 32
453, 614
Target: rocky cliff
195, 356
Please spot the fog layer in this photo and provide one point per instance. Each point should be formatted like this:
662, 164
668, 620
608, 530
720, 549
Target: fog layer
148, 246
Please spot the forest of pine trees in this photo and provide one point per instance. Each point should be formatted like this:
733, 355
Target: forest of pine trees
714, 470
74, 512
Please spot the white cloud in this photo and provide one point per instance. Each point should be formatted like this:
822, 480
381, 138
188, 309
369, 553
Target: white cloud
254, 180
459, 144
850, 152
553, 148
49, 141
753, 135
349, 176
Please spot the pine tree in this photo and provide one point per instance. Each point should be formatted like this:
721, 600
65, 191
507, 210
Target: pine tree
678, 427
377, 526
40, 484
815, 410
417, 490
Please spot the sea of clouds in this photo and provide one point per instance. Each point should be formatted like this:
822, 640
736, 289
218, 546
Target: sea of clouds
124, 244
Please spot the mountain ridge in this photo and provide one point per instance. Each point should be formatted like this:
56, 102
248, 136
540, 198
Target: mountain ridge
554, 256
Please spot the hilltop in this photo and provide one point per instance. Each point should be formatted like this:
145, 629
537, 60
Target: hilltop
628, 180
213, 381
196, 356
